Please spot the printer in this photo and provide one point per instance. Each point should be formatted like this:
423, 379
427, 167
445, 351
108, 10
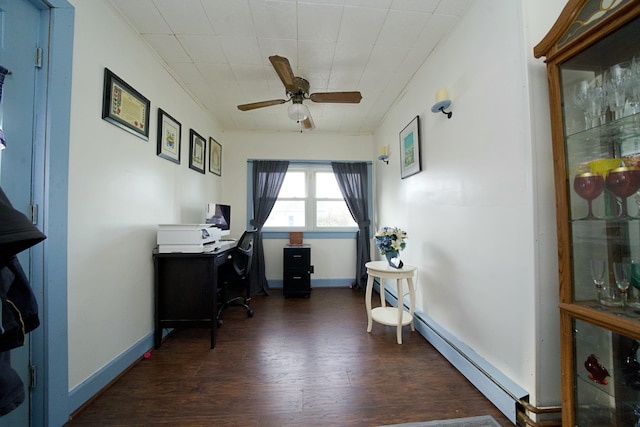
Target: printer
188, 238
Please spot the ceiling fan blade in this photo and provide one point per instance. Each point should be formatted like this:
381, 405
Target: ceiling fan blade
308, 124
254, 105
283, 68
337, 97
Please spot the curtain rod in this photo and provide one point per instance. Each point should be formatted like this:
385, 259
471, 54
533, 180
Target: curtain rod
320, 162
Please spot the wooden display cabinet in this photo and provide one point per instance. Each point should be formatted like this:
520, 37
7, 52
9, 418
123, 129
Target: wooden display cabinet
593, 64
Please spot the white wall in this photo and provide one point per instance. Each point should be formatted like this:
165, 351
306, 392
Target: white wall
333, 259
119, 190
474, 213
539, 17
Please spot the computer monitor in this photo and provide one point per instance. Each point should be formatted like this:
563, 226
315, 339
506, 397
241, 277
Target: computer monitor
218, 215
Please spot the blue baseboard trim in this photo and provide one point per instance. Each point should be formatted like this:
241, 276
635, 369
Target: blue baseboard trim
90, 387
493, 384
316, 283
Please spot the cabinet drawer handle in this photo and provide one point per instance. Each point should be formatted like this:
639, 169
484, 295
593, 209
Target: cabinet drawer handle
297, 277
297, 256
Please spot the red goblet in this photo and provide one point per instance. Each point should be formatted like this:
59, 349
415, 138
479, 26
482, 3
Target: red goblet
623, 182
588, 185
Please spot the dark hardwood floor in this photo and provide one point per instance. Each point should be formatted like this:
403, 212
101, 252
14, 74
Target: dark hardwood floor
297, 362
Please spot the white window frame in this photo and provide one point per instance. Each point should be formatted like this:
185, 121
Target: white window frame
311, 201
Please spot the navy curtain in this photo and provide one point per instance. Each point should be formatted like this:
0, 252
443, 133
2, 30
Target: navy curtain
268, 176
352, 179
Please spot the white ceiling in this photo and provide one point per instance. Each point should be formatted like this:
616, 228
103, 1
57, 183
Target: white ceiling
219, 50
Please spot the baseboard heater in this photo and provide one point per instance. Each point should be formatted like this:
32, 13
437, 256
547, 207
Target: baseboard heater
493, 384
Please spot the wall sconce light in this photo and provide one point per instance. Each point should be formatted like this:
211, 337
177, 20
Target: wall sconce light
384, 154
442, 102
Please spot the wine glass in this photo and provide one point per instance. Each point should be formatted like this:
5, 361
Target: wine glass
581, 99
634, 85
597, 274
623, 182
634, 295
615, 83
622, 273
596, 103
588, 185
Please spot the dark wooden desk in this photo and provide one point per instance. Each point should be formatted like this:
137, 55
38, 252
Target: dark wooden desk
185, 290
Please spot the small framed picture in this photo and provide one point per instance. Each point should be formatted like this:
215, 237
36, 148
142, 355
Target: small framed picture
410, 149
197, 151
125, 107
169, 136
215, 157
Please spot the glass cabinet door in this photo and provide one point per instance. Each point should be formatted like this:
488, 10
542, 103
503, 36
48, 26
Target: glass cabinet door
607, 379
600, 91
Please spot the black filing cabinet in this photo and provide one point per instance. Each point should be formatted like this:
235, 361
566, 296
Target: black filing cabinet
297, 271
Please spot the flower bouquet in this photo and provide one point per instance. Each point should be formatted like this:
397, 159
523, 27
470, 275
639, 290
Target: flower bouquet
390, 241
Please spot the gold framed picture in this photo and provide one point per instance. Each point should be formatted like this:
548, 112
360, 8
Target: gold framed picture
197, 151
215, 157
125, 107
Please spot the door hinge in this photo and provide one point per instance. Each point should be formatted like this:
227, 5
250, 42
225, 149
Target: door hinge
32, 372
34, 214
38, 57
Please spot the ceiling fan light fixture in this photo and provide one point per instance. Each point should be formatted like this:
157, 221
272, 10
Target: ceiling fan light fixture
297, 90
298, 112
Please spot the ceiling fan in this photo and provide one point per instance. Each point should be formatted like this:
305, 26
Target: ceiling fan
297, 90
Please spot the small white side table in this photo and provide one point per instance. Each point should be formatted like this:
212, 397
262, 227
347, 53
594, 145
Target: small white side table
390, 316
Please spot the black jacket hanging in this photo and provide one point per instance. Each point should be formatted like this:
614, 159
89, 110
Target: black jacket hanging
11, 386
16, 231
17, 302
18, 307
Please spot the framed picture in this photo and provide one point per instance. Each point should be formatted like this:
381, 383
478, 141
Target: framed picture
410, 149
124, 106
215, 157
197, 151
169, 136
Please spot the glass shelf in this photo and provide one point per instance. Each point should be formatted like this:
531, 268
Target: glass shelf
613, 219
615, 140
606, 390
622, 129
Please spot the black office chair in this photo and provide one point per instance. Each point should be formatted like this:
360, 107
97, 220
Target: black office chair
235, 286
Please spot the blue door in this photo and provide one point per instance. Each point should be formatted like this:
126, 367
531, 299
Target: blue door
19, 35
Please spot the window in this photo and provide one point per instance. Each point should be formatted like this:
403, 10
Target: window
331, 209
310, 199
290, 208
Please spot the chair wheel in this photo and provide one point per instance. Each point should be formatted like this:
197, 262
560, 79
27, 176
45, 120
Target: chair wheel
250, 313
